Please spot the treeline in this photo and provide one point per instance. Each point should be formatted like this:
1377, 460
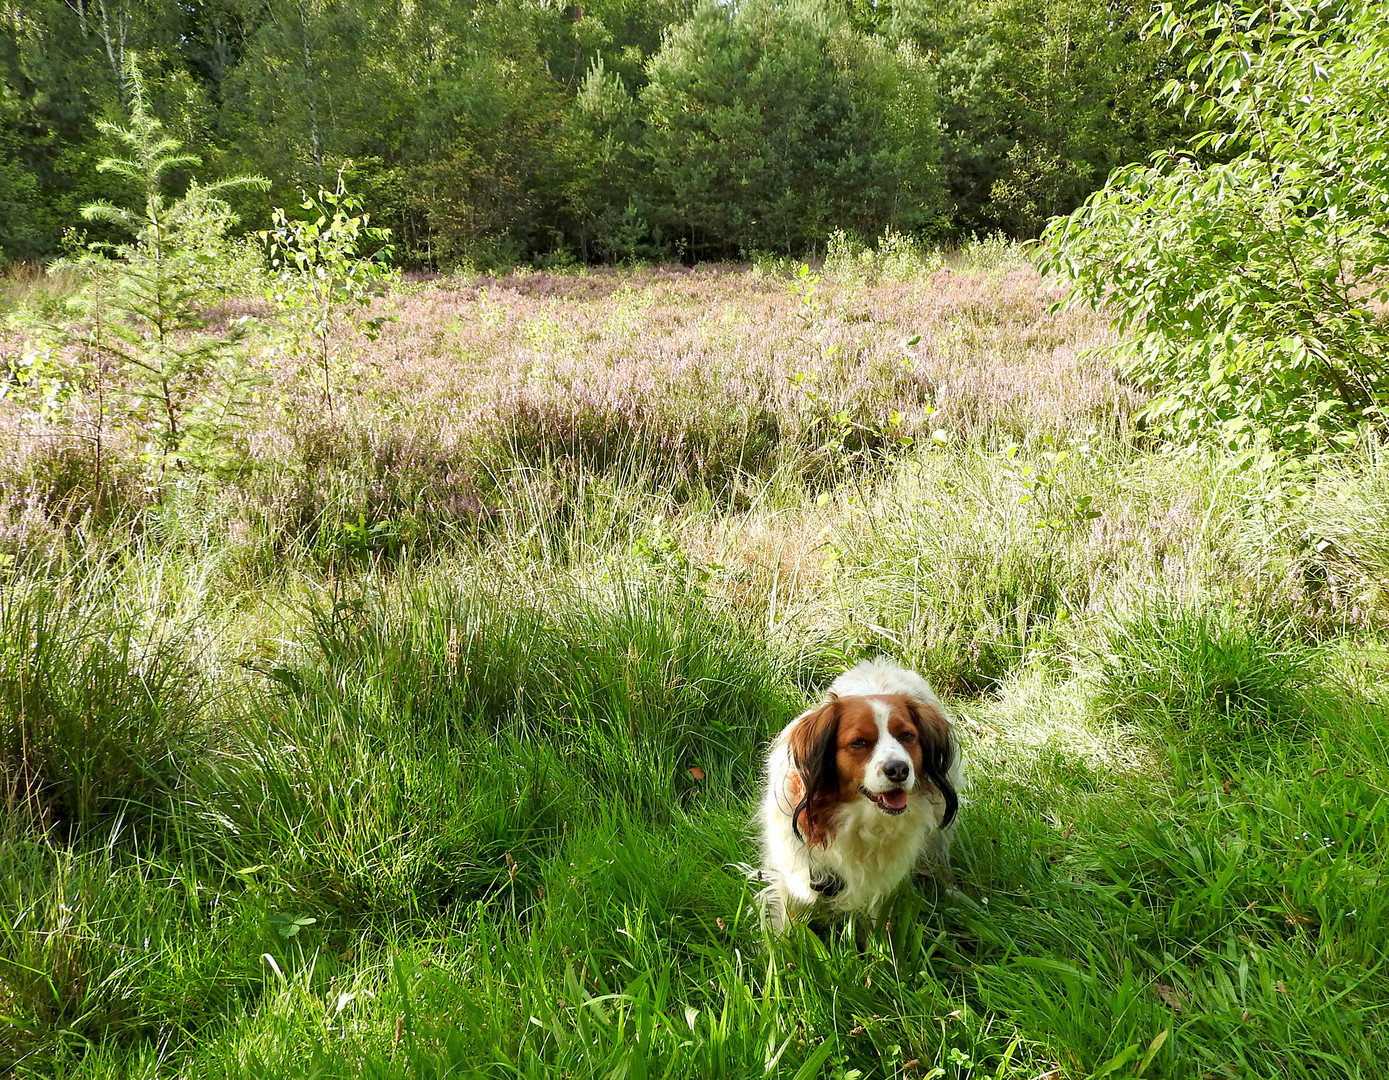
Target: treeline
493, 131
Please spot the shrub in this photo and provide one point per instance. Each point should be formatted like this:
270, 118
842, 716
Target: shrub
326, 264
144, 360
1251, 287
895, 257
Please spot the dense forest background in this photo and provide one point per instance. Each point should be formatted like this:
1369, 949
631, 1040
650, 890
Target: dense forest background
493, 131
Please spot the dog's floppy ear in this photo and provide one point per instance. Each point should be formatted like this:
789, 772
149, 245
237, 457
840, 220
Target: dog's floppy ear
938, 752
814, 744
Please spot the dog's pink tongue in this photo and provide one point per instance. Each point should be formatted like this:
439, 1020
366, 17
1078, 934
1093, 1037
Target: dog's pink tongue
895, 800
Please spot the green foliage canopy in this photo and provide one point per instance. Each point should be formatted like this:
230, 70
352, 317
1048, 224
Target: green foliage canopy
612, 129
1252, 286
768, 124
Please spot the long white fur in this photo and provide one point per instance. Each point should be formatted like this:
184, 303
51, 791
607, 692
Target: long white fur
871, 852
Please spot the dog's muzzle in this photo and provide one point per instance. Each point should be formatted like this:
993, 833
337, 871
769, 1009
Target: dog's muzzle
889, 802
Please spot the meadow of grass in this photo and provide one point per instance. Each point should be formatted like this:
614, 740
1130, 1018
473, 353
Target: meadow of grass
422, 741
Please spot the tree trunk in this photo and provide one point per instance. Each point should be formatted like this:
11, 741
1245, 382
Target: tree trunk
113, 35
316, 145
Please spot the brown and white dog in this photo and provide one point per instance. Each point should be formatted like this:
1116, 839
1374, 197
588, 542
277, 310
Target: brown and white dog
859, 789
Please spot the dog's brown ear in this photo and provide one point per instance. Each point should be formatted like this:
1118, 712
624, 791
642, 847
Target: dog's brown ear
938, 752
814, 745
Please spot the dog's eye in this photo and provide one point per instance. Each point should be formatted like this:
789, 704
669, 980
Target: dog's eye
859, 744
907, 738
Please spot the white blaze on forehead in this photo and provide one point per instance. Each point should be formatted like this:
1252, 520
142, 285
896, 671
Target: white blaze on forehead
886, 749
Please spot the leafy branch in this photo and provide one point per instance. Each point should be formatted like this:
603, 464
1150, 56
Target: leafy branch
1251, 290
327, 264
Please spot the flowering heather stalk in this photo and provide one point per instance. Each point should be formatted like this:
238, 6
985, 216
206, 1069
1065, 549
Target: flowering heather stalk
709, 370
705, 379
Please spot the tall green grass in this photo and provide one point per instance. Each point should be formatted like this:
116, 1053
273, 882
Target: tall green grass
368, 765
101, 712
113, 948
429, 745
1214, 672
1223, 919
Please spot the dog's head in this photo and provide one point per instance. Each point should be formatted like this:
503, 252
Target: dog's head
881, 747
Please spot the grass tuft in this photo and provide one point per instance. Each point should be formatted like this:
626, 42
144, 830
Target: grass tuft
358, 783
1206, 672
99, 717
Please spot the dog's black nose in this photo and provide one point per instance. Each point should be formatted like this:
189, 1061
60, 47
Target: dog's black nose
897, 771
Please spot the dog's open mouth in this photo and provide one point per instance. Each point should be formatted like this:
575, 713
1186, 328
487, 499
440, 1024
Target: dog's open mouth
889, 802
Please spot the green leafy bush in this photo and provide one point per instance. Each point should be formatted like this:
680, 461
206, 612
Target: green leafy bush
1252, 288
895, 257
326, 264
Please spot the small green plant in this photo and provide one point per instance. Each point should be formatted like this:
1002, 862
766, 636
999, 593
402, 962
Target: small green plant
1041, 486
328, 263
845, 440
143, 356
895, 257
659, 548
288, 926
806, 282
361, 541
842, 437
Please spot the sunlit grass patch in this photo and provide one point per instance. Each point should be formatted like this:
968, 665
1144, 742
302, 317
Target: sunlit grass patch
98, 717
434, 745
113, 948
1209, 672
475, 715
25, 285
